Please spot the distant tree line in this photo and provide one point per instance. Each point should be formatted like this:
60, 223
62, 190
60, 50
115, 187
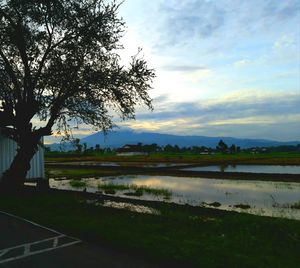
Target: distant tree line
222, 147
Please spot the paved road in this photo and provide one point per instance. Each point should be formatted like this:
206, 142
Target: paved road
23, 244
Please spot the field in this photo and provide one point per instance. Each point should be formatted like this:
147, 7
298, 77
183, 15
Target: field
175, 235
281, 158
179, 235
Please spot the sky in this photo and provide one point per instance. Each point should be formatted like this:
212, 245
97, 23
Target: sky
223, 67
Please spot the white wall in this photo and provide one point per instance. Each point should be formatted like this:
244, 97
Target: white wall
7, 153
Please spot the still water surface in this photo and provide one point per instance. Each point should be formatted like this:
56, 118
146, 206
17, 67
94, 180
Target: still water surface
118, 164
249, 168
263, 197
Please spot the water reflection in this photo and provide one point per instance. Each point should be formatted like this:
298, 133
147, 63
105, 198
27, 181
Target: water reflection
263, 197
117, 164
249, 168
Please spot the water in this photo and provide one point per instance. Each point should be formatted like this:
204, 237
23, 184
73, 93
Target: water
263, 197
118, 164
249, 168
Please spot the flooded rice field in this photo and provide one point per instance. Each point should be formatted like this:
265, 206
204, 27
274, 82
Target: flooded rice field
287, 169
277, 199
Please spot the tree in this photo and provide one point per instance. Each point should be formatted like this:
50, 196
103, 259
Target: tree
233, 148
222, 146
77, 145
59, 63
97, 148
168, 148
84, 147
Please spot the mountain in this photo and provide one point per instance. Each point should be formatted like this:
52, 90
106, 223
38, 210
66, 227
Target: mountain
119, 138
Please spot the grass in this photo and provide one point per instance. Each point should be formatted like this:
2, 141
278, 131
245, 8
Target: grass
138, 190
242, 206
154, 191
113, 186
296, 205
77, 183
282, 158
182, 234
77, 173
110, 191
135, 193
213, 204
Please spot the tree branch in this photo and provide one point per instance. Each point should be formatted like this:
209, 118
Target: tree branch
11, 74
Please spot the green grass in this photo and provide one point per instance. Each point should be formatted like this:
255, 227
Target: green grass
76, 173
113, 186
77, 183
139, 190
185, 235
242, 206
110, 191
154, 191
296, 205
283, 158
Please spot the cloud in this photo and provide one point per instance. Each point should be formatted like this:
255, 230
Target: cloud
246, 111
161, 99
245, 103
281, 9
258, 120
183, 68
204, 49
241, 63
185, 20
247, 114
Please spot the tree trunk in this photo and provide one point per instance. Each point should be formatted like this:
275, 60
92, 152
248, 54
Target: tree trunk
14, 177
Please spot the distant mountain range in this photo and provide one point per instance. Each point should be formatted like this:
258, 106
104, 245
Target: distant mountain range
119, 138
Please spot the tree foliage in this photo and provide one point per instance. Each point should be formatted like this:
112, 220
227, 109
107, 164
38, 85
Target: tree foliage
58, 60
60, 63
222, 146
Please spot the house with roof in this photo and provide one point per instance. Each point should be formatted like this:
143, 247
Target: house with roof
131, 149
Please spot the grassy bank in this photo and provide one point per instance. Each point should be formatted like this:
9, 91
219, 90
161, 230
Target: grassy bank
219, 158
185, 235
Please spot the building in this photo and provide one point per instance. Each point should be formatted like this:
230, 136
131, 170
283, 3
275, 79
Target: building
131, 149
8, 149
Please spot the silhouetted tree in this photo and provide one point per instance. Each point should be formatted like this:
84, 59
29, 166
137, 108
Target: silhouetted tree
84, 147
59, 63
233, 148
77, 145
168, 148
97, 148
222, 146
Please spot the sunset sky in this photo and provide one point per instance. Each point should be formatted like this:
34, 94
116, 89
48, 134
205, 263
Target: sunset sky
224, 68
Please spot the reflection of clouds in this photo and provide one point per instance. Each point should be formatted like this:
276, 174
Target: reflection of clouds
261, 196
170, 183
197, 185
257, 186
149, 182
